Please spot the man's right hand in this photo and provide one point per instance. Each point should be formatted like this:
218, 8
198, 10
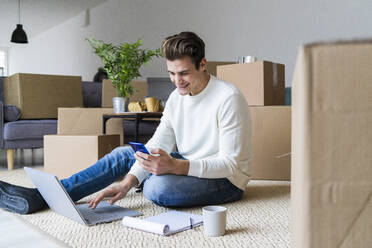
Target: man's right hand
116, 192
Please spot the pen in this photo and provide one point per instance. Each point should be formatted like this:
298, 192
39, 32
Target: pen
190, 223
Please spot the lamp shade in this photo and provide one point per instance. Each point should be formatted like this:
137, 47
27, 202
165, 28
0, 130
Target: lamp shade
19, 35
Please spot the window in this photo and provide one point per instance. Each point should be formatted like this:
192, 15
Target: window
3, 61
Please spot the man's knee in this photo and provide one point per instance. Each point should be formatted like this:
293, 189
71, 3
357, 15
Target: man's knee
160, 189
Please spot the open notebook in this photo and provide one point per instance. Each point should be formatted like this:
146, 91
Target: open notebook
165, 223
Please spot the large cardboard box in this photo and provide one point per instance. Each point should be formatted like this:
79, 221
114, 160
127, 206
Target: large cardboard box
331, 193
87, 121
65, 155
262, 83
108, 92
271, 142
212, 66
39, 96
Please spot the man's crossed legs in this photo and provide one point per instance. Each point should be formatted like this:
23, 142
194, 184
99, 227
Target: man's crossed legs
164, 190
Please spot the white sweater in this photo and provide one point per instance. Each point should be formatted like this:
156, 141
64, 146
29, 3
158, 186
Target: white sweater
211, 129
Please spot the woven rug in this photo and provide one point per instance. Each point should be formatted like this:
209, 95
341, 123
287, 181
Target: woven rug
260, 219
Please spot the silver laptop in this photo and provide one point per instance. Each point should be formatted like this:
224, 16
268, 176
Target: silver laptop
60, 202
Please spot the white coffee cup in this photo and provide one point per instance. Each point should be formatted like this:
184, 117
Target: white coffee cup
214, 220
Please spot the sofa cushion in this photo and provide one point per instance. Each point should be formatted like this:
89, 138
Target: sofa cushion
29, 129
92, 94
11, 112
23, 144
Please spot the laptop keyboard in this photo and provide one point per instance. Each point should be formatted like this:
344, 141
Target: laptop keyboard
91, 216
104, 212
97, 215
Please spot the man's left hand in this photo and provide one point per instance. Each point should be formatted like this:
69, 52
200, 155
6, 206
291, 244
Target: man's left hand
162, 163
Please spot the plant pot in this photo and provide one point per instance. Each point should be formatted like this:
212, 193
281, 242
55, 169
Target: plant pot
119, 104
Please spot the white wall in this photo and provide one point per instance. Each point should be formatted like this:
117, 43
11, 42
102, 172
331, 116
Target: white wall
270, 29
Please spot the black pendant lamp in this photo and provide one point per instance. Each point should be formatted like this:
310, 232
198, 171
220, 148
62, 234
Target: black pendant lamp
19, 35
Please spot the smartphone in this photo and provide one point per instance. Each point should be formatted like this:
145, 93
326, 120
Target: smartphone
138, 147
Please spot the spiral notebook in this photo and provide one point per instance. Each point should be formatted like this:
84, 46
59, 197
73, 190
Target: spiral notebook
166, 223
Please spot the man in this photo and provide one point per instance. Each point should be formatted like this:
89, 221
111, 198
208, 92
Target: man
206, 119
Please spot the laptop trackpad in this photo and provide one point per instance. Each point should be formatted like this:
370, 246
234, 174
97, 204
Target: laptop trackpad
104, 212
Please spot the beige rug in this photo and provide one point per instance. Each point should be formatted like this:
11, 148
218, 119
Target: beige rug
261, 219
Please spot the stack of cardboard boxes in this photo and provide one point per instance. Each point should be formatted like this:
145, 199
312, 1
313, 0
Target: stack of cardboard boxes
263, 85
41, 96
80, 141
38, 96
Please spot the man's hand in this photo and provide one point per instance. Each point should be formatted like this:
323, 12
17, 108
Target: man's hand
162, 163
116, 192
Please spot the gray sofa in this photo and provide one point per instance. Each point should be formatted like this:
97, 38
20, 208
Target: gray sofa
28, 134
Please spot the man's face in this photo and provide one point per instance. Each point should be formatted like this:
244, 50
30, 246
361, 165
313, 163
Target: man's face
186, 77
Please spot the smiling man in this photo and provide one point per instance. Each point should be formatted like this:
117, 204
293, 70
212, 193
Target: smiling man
206, 119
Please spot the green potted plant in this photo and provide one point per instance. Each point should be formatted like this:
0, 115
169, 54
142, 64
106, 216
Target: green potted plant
122, 64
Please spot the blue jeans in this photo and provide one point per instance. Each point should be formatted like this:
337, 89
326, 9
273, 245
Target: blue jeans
164, 190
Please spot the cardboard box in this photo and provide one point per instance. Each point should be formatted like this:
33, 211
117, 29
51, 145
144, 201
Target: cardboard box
39, 96
87, 121
331, 192
262, 83
108, 92
212, 66
271, 142
65, 155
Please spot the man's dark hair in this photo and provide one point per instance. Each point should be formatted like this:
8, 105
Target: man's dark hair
184, 44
